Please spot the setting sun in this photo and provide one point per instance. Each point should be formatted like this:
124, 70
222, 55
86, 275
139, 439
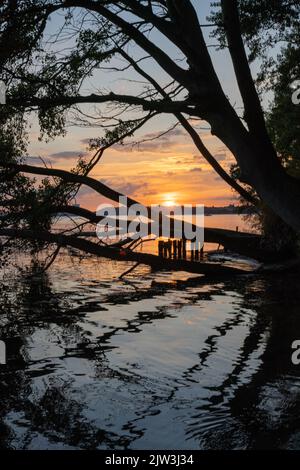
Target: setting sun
169, 203
170, 200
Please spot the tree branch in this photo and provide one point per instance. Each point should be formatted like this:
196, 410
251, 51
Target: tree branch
157, 262
195, 136
161, 106
69, 177
141, 40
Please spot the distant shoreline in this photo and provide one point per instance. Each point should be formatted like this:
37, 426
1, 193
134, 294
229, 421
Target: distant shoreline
231, 209
208, 210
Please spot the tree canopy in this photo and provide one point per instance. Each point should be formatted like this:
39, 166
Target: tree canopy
166, 44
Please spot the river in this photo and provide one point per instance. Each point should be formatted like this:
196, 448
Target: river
152, 361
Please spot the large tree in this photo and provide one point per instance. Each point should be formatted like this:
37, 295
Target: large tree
46, 77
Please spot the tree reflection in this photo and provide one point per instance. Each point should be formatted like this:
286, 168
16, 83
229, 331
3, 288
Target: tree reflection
42, 403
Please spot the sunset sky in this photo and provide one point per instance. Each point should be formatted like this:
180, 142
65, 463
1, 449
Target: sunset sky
166, 170
159, 171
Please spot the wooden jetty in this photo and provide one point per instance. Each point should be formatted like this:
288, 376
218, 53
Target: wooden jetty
177, 249
243, 243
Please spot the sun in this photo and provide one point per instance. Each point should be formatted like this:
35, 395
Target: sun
169, 203
170, 200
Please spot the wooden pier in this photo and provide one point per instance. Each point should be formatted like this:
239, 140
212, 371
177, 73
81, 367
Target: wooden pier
177, 249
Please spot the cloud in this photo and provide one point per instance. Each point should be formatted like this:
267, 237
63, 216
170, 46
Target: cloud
220, 157
185, 161
196, 169
191, 160
86, 190
150, 192
38, 161
86, 141
172, 133
125, 187
69, 154
154, 142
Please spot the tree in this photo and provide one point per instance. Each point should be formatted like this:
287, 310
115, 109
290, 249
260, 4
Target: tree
283, 120
101, 32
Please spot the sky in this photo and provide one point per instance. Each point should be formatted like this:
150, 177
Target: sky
160, 171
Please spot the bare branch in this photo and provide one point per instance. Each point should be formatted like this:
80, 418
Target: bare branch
141, 40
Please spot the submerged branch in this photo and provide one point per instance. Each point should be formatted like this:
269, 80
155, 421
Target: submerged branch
210, 269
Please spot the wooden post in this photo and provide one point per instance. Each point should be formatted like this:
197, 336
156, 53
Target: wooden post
175, 249
165, 251
202, 253
160, 223
169, 245
172, 224
179, 248
160, 248
197, 255
192, 253
182, 228
184, 248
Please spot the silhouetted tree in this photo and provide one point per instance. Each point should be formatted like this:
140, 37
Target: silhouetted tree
131, 34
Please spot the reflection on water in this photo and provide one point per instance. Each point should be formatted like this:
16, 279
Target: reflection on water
147, 362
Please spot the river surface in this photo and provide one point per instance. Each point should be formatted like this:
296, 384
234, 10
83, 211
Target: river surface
150, 361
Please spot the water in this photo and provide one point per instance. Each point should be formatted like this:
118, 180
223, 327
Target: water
152, 361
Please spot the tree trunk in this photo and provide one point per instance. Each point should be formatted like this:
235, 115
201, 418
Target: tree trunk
260, 167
